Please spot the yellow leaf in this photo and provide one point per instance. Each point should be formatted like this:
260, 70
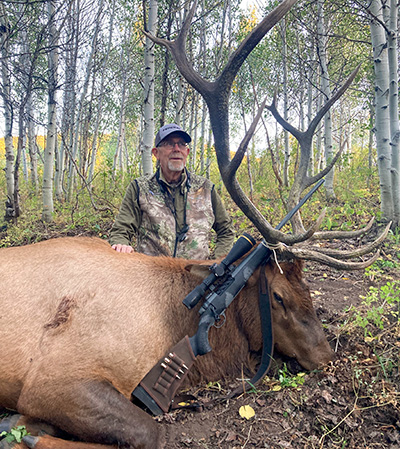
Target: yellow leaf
276, 388
369, 339
325, 275
183, 404
246, 411
317, 293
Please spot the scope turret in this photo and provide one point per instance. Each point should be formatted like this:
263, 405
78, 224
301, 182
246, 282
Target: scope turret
242, 245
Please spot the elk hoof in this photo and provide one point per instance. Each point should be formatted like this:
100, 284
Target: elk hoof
30, 441
8, 423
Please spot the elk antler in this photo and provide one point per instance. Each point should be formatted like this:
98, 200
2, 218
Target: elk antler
338, 258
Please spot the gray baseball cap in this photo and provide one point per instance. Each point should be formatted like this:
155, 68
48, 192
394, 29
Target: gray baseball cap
166, 130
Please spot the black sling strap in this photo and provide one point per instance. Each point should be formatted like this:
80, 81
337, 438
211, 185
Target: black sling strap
266, 326
264, 304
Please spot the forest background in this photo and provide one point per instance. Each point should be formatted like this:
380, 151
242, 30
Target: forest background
84, 92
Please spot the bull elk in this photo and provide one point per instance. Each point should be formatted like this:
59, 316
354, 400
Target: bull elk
81, 325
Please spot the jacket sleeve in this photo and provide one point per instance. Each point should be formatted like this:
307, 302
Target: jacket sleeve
128, 219
222, 226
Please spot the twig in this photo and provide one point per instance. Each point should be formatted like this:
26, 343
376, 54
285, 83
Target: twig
248, 437
321, 440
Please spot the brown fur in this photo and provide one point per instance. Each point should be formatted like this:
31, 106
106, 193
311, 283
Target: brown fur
80, 326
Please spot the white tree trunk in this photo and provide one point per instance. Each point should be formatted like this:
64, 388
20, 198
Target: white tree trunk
310, 92
286, 162
48, 207
382, 116
118, 155
69, 98
149, 64
326, 92
5, 93
392, 39
101, 99
89, 65
32, 145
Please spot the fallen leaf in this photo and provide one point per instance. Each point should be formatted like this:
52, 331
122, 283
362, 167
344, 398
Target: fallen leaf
231, 436
246, 411
327, 396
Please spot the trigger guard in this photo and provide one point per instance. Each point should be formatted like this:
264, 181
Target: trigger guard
220, 321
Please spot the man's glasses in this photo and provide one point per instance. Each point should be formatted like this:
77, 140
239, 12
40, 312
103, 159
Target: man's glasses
169, 145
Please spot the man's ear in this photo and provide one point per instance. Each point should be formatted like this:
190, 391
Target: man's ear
155, 152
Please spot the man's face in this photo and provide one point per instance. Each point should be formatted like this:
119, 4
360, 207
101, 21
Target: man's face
172, 154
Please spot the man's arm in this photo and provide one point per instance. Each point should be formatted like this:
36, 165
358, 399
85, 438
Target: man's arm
127, 221
222, 226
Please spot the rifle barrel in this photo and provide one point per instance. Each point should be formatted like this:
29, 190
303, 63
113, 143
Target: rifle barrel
299, 204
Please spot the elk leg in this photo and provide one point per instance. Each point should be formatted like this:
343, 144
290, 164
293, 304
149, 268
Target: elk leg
49, 442
32, 426
92, 411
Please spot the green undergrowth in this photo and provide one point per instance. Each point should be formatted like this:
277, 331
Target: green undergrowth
15, 435
93, 210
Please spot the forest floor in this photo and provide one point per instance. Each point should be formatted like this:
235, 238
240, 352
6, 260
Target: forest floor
352, 403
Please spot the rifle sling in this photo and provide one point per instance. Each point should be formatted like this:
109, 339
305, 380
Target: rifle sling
264, 304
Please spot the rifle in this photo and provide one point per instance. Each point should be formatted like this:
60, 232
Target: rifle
232, 280
157, 389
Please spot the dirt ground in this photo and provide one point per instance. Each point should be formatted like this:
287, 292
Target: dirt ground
353, 403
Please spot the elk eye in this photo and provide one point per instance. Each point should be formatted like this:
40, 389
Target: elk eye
279, 300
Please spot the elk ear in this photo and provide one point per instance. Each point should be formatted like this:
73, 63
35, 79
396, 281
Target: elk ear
201, 271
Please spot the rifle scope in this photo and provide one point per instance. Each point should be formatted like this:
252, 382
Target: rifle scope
242, 245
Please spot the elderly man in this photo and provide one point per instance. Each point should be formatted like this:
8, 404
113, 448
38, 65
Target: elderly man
172, 212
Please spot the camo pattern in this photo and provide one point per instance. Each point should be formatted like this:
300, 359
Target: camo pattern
157, 233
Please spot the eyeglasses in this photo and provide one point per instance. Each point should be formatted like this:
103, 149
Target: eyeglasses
169, 145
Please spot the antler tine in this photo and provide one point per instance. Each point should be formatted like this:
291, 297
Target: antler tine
306, 254
291, 239
366, 249
336, 258
325, 235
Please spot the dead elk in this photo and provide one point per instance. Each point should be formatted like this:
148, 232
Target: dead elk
81, 325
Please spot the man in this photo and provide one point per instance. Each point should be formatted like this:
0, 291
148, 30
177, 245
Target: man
172, 212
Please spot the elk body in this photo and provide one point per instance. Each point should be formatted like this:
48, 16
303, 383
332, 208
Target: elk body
81, 325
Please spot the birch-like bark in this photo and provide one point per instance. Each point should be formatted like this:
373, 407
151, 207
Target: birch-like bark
118, 155
326, 92
89, 65
101, 98
48, 206
149, 69
392, 39
8, 117
382, 115
69, 98
286, 162
25, 75
310, 91
32, 145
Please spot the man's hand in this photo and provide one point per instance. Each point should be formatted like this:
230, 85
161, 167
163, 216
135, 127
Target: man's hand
123, 248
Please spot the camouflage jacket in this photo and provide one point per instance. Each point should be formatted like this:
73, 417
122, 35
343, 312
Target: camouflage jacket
156, 214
